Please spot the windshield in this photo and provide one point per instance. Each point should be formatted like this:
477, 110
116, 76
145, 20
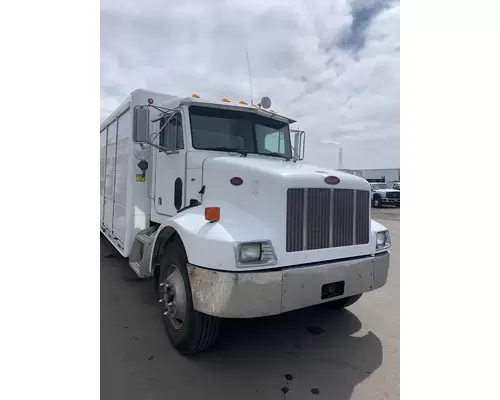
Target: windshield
377, 186
237, 131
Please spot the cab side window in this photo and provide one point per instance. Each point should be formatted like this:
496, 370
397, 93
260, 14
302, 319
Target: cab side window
270, 140
275, 142
171, 136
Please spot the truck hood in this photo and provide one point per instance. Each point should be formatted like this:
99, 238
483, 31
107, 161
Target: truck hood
386, 190
257, 208
276, 173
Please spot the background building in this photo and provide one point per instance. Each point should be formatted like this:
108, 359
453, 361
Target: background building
376, 175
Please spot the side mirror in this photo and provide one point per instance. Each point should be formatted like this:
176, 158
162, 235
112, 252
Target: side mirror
299, 144
140, 131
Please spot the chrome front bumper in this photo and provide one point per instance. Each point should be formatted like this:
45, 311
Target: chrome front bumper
258, 294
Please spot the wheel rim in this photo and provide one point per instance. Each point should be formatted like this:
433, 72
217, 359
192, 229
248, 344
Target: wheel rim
375, 203
174, 297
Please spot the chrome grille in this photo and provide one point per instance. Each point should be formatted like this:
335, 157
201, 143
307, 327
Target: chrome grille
323, 218
363, 205
318, 227
392, 195
294, 220
343, 215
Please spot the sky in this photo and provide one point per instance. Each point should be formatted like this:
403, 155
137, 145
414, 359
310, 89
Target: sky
331, 65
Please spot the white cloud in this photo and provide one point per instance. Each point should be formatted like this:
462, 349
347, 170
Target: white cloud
333, 66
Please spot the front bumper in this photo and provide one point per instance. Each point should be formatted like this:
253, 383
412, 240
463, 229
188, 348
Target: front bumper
389, 201
261, 293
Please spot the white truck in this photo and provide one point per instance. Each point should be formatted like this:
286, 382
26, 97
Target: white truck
209, 199
383, 195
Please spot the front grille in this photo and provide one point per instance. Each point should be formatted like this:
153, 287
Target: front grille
392, 195
323, 218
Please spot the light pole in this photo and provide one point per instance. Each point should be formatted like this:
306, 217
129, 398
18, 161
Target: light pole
340, 163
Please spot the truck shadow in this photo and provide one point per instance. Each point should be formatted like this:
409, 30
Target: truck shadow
308, 351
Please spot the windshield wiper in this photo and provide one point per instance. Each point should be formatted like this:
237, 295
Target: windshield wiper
276, 155
223, 148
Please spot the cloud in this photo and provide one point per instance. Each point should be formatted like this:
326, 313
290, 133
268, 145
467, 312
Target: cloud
333, 66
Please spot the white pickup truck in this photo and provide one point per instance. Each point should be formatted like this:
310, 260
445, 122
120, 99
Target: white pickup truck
383, 195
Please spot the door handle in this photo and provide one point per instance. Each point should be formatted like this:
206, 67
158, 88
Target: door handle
159, 201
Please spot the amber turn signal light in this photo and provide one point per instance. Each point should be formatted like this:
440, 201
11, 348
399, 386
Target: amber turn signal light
212, 214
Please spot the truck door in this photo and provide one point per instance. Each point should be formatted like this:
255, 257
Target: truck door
170, 166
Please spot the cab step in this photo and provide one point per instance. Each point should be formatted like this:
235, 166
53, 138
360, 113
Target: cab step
140, 255
144, 238
136, 266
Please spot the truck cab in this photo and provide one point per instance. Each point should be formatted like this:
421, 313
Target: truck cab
228, 221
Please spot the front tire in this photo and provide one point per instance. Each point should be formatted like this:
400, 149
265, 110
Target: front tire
376, 202
342, 303
188, 330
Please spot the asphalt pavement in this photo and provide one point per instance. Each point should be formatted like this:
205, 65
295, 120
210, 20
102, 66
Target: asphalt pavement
306, 354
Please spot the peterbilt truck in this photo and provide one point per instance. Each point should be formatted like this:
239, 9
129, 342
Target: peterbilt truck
212, 201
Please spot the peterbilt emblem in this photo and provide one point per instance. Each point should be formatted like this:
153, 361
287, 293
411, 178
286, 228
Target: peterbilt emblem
236, 181
332, 180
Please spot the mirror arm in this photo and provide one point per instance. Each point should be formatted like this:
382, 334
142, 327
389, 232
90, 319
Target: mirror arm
152, 139
165, 113
164, 109
161, 148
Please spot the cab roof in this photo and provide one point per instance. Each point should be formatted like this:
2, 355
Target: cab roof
181, 101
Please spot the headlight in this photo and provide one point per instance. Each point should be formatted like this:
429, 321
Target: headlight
254, 254
250, 252
383, 240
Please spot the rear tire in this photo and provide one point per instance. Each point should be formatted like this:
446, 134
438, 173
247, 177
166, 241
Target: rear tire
342, 303
189, 331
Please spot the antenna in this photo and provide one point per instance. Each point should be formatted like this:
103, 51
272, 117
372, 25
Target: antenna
249, 77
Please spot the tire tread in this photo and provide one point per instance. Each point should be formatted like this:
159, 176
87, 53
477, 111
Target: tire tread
206, 326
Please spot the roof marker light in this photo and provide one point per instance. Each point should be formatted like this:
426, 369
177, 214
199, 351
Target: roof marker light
196, 96
226, 100
243, 102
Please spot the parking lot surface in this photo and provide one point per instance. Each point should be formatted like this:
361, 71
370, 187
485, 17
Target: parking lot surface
306, 354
